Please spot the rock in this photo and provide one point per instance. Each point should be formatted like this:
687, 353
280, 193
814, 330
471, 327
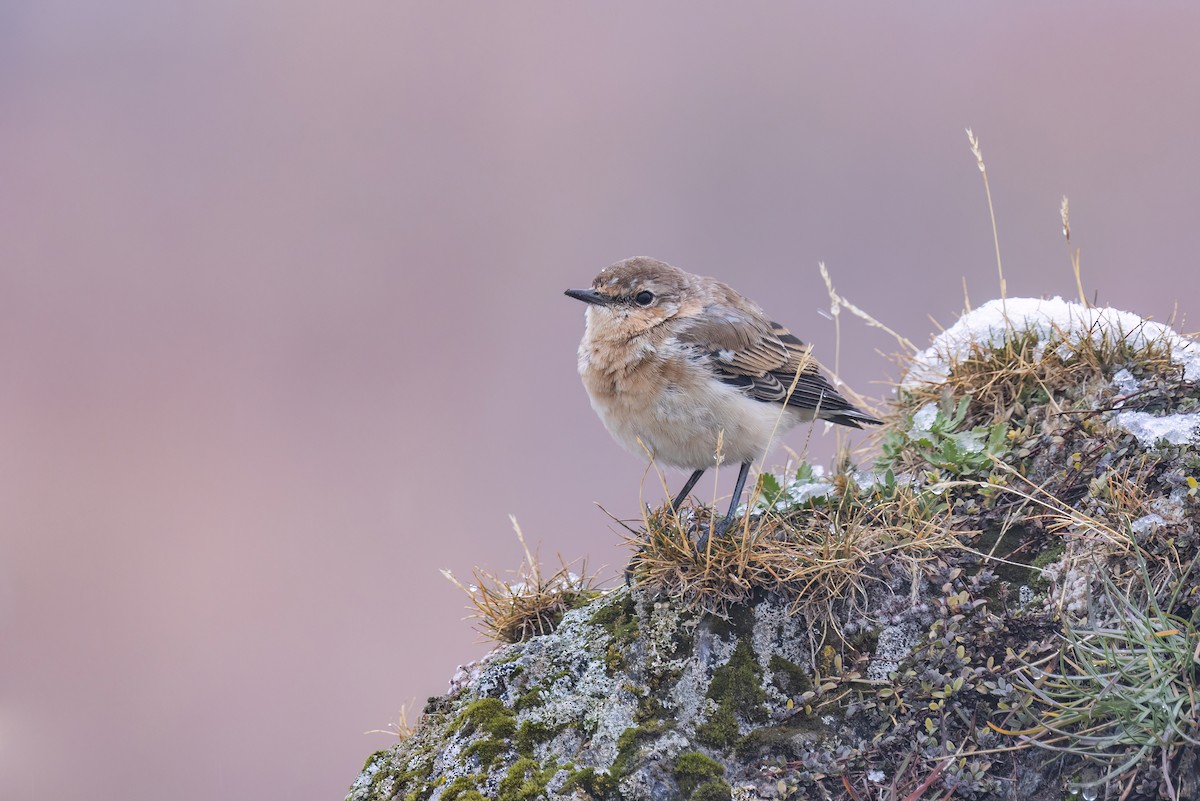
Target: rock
1005, 608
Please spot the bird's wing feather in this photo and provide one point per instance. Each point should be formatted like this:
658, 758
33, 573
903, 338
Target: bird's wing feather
749, 351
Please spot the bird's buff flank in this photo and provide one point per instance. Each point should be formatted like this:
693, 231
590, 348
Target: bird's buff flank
684, 364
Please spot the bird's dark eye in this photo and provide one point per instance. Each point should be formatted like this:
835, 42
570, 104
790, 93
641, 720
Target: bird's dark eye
644, 298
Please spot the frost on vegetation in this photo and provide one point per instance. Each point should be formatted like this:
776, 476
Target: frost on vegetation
1147, 523
1150, 430
927, 428
922, 420
1052, 319
806, 483
789, 489
565, 582
1125, 383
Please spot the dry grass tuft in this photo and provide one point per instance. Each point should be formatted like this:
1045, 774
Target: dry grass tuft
402, 729
529, 604
821, 553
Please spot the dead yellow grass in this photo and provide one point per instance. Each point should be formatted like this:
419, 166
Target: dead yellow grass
817, 554
529, 603
402, 729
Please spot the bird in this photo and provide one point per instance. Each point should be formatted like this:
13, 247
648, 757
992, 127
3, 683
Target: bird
690, 370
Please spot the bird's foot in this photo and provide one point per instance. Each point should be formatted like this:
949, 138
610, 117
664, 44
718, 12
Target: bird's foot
717, 529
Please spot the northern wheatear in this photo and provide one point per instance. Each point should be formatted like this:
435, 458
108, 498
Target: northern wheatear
678, 363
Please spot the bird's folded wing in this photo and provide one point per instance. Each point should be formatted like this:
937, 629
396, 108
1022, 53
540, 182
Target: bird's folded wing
747, 350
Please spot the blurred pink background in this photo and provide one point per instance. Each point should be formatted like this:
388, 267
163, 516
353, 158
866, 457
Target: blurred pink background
282, 330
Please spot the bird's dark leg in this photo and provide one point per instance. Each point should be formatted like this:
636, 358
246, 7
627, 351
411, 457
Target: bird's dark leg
737, 492
683, 493
723, 525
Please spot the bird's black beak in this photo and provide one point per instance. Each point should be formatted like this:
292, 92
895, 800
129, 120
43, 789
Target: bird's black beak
588, 296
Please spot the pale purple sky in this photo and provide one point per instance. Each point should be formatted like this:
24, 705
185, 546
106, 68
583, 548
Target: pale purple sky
282, 330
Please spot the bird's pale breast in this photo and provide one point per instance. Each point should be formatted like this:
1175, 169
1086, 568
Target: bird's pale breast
669, 400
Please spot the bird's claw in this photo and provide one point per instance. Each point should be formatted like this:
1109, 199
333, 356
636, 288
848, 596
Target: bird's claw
717, 529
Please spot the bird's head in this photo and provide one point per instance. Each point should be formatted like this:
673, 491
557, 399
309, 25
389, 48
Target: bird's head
633, 296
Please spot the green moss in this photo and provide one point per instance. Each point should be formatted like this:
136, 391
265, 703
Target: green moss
774, 741
531, 734
525, 780
495, 721
619, 619
489, 715
739, 623
740, 682
788, 677
596, 785
423, 791
383, 775
864, 641
737, 688
693, 769
556, 677
486, 750
464, 788
528, 700
512, 656
648, 708
380, 755
713, 791
684, 640
578, 600
414, 780
628, 744
1011, 546
1051, 554
720, 730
